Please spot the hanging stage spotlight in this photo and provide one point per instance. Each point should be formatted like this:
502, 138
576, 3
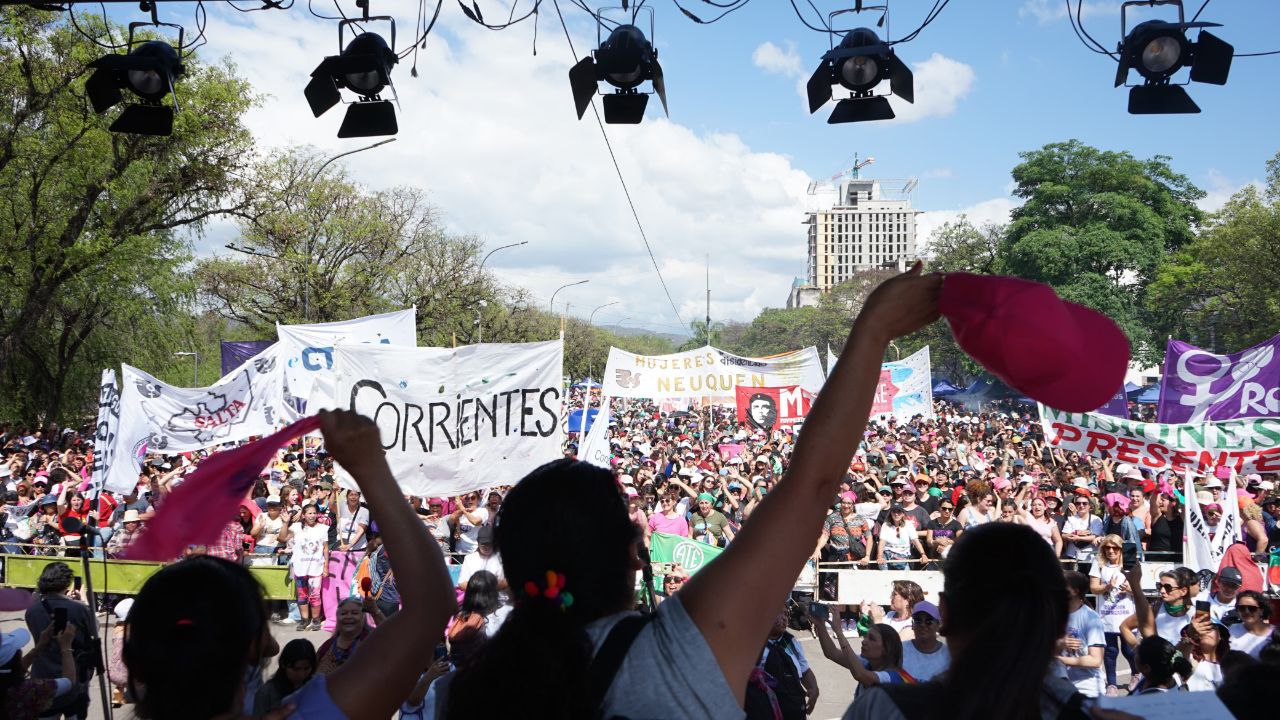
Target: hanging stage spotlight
859, 63
625, 60
1158, 49
148, 71
364, 67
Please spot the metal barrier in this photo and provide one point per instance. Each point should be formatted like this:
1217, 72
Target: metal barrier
126, 577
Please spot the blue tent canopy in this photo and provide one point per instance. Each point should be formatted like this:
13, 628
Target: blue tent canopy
942, 388
575, 420
586, 384
1130, 388
1150, 395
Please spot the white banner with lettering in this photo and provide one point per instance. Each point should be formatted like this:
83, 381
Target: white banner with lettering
905, 387
1199, 550
595, 448
708, 373
161, 418
308, 349
104, 434
457, 419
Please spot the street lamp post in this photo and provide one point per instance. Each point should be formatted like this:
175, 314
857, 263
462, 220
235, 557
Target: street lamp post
553, 295
480, 326
195, 374
591, 319
480, 272
306, 281
897, 353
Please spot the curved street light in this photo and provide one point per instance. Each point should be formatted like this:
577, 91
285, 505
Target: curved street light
553, 295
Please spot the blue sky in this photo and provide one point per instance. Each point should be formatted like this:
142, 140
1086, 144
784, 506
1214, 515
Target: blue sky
488, 129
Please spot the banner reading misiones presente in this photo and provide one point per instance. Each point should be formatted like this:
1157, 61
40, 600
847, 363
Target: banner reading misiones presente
1199, 385
457, 419
767, 409
707, 373
1251, 445
308, 349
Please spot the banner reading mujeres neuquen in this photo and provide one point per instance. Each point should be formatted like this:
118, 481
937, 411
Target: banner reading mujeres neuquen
769, 408
1199, 385
708, 374
1250, 445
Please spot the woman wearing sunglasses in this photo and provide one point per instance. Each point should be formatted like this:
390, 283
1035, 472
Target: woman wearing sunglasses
1177, 588
1254, 630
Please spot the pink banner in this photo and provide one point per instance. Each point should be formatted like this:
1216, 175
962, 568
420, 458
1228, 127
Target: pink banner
337, 583
729, 451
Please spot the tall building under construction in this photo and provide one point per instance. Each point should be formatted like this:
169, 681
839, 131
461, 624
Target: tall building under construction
859, 224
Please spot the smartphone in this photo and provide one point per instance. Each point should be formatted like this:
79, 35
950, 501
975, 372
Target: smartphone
59, 620
662, 568
819, 611
1201, 609
77, 582
440, 652
1129, 551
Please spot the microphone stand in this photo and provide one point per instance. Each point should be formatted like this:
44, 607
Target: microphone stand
95, 639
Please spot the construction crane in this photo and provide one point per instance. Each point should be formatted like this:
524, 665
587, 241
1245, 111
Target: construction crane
851, 172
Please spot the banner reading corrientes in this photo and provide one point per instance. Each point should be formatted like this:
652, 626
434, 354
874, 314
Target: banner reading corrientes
457, 419
158, 417
1199, 385
1247, 446
769, 408
708, 373
690, 554
308, 349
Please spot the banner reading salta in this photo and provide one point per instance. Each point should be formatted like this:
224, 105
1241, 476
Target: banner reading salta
457, 419
769, 408
308, 349
709, 373
1247, 446
1204, 545
158, 417
1198, 385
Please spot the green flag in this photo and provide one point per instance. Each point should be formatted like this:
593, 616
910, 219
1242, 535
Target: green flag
690, 554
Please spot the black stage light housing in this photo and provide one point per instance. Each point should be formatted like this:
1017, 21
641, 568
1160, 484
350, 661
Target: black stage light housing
859, 63
625, 60
1157, 50
148, 71
364, 68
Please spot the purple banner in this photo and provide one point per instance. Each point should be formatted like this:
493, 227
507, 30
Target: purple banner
1199, 385
1117, 406
236, 353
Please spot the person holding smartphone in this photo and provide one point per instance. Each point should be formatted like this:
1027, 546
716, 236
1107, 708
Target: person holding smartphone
54, 601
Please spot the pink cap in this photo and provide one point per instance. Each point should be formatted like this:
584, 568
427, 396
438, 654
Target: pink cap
1222, 472
1065, 355
1000, 483
848, 496
1116, 499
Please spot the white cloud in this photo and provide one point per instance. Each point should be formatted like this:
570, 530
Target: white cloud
1221, 189
940, 83
773, 59
489, 130
995, 210
1050, 11
936, 173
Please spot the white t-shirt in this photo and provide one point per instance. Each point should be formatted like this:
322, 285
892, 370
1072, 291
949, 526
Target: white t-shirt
1169, 626
473, 563
892, 620
468, 530
1247, 642
897, 540
270, 533
349, 525
924, 666
308, 549
1216, 608
1114, 605
1207, 676
1092, 524
1086, 626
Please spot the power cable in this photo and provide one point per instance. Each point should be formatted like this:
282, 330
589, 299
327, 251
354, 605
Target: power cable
626, 191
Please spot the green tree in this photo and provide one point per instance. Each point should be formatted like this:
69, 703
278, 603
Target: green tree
90, 239
1095, 225
1220, 290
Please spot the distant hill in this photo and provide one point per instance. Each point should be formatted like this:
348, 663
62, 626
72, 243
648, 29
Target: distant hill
631, 331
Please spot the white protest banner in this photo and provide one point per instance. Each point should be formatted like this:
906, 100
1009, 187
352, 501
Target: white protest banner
1199, 550
708, 373
104, 434
308, 349
457, 419
595, 448
158, 417
905, 388
1246, 446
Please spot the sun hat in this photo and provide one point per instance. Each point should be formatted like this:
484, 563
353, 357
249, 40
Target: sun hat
11, 643
1067, 356
132, 516
706, 496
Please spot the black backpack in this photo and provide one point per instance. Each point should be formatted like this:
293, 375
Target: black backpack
788, 689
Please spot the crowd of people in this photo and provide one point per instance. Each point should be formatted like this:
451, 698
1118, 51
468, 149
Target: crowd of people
1041, 552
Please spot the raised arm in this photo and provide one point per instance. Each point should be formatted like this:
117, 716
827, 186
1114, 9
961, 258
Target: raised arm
1141, 607
785, 527
374, 681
